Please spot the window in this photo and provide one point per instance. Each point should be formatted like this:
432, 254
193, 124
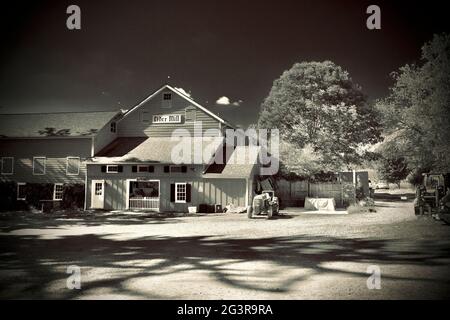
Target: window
98, 188
145, 169
113, 127
142, 168
112, 169
144, 189
180, 192
21, 194
178, 169
58, 191
167, 100
39, 165
73, 166
145, 116
7, 165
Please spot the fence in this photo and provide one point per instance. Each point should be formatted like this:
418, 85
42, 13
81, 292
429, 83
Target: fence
293, 193
144, 204
328, 190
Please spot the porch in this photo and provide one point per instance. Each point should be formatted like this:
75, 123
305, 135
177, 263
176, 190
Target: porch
143, 195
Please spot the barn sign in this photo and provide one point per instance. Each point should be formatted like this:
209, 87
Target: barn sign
167, 118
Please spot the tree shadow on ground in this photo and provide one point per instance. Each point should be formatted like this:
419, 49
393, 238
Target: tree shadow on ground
386, 204
25, 220
389, 197
36, 262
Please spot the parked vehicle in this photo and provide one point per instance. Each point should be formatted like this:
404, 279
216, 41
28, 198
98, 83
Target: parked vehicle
444, 208
430, 193
264, 203
382, 185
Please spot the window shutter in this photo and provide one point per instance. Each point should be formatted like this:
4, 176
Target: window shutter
172, 192
119, 168
183, 169
188, 192
151, 169
26, 189
134, 169
166, 169
103, 168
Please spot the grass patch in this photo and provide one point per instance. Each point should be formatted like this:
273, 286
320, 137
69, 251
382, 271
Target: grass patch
363, 206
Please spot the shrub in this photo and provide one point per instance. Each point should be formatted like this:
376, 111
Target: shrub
8, 195
364, 206
36, 192
73, 196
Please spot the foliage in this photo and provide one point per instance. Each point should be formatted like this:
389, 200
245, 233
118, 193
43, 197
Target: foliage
364, 206
324, 176
35, 192
415, 177
8, 195
302, 162
52, 132
393, 170
417, 110
319, 110
73, 196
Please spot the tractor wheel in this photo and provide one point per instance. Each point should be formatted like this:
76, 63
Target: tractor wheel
445, 218
417, 211
270, 212
250, 212
277, 211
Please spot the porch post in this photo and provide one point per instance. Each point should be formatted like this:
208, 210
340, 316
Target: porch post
127, 199
247, 190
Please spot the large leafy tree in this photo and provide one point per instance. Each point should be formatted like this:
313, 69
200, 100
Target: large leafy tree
393, 170
417, 110
318, 109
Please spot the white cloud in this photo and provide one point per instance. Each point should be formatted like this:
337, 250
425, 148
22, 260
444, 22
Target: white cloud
183, 91
237, 103
225, 101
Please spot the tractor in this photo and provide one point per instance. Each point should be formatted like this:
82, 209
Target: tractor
264, 203
430, 194
444, 208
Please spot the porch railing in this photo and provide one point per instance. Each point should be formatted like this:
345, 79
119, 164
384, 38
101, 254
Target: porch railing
144, 204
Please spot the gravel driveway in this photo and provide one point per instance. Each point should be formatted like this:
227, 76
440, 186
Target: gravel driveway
225, 256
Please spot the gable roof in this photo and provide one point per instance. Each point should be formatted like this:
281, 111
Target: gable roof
233, 168
60, 124
182, 95
120, 146
159, 150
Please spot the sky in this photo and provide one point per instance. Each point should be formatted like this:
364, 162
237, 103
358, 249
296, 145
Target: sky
225, 54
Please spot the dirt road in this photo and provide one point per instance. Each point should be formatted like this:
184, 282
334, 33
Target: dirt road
226, 256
